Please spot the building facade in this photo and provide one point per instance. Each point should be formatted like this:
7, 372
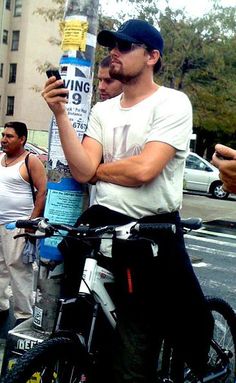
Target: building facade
24, 46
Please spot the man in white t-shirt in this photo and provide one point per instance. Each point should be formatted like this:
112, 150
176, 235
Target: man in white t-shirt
143, 138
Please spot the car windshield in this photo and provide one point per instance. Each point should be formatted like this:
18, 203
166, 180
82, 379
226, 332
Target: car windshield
35, 148
196, 163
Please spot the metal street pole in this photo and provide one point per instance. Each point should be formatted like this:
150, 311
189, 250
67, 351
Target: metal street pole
66, 198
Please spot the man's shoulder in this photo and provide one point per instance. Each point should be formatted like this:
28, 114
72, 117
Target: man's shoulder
173, 93
31, 156
173, 97
33, 160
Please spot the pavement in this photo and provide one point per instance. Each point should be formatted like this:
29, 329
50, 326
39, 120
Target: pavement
5, 327
9, 324
209, 209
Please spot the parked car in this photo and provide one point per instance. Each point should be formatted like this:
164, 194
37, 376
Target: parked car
41, 153
201, 176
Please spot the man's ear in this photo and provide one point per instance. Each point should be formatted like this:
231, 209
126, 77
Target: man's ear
154, 56
23, 140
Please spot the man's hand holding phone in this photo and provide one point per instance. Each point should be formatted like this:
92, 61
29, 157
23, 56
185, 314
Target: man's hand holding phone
224, 159
55, 93
223, 152
56, 74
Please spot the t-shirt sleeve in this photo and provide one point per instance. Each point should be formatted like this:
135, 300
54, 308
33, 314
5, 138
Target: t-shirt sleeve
94, 129
173, 124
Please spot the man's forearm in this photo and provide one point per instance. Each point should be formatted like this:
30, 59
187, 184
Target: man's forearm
137, 170
113, 173
75, 154
81, 165
39, 205
128, 172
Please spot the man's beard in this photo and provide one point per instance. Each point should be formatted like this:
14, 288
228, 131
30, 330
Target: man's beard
124, 79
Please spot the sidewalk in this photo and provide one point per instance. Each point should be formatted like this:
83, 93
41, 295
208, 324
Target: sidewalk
3, 333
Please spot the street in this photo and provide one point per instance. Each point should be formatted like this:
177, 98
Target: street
213, 247
208, 208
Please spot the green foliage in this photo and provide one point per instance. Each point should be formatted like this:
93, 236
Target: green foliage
52, 14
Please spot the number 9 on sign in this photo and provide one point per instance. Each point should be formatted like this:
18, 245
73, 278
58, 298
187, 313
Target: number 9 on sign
76, 98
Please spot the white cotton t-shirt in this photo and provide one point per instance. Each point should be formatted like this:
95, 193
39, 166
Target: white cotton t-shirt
165, 116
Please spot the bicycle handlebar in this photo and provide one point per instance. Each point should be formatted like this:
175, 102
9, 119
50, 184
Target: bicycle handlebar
28, 223
152, 228
44, 228
47, 229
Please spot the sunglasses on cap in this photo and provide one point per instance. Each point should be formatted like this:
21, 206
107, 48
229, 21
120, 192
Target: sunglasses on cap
125, 46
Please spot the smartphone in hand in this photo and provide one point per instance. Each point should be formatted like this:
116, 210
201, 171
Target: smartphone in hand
55, 72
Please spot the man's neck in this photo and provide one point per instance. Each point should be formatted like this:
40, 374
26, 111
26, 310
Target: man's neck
15, 154
135, 93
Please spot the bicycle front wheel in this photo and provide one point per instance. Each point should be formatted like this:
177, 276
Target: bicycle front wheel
56, 360
222, 353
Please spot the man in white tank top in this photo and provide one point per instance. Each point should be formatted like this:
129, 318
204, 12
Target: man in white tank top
16, 202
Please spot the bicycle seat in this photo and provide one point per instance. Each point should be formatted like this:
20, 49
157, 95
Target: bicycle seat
192, 223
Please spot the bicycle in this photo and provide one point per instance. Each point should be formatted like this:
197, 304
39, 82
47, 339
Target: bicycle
71, 355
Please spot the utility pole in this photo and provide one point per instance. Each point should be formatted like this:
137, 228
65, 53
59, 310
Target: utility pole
66, 198
79, 31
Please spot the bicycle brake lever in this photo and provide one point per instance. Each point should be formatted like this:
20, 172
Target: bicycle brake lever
31, 235
20, 235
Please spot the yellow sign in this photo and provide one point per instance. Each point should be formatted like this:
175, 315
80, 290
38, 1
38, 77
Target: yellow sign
36, 378
74, 35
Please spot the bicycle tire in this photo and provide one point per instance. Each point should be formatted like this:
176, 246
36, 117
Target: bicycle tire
224, 335
56, 360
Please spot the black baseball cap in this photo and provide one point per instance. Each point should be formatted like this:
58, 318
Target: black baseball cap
134, 31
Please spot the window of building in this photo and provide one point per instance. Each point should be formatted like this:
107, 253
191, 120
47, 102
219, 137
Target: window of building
18, 8
8, 4
15, 40
1, 70
10, 105
5, 36
12, 73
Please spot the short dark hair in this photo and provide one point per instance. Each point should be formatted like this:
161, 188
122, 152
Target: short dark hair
105, 63
19, 127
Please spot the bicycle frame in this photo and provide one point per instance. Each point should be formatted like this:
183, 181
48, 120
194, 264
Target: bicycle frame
93, 281
92, 285
93, 294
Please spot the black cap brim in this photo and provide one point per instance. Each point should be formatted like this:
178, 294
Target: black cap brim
107, 38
